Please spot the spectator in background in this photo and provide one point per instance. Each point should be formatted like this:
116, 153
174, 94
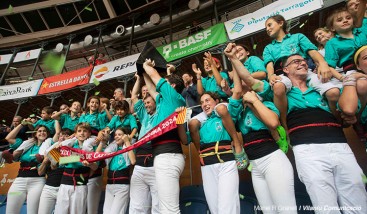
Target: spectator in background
190, 93
194, 28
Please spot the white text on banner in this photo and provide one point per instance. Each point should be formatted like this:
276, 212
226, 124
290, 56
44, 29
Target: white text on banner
252, 22
26, 89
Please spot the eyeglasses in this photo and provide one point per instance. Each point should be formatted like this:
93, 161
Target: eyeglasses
297, 62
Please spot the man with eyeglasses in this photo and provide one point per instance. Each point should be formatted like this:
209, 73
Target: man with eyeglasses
325, 163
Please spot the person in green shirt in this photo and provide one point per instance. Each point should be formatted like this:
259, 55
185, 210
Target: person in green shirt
29, 183
72, 195
123, 119
212, 82
324, 161
92, 116
283, 45
68, 117
118, 176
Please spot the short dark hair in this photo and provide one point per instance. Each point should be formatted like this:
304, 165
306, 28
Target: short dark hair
213, 95
66, 131
48, 109
123, 105
177, 80
125, 130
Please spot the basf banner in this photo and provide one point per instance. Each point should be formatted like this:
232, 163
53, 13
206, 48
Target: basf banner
252, 22
203, 40
65, 81
116, 68
26, 89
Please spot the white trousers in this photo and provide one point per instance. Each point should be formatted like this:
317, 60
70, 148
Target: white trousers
22, 188
94, 194
143, 191
48, 199
273, 181
71, 199
221, 187
332, 177
168, 168
116, 199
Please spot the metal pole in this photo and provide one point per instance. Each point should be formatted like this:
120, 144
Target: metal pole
170, 21
37, 60
85, 98
190, 164
100, 28
8, 65
215, 12
125, 87
70, 37
19, 102
132, 34
105, 49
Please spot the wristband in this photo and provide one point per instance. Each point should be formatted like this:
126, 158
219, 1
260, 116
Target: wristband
349, 80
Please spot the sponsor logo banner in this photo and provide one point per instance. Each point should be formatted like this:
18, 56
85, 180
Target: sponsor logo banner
5, 59
203, 40
65, 81
27, 55
252, 22
116, 68
26, 89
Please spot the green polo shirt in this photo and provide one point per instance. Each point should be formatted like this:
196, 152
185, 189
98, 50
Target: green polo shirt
248, 121
120, 161
254, 64
302, 100
50, 124
128, 121
291, 44
363, 28
93, 120
30, 154
364, 117
213, 130
166, 101
16, 144
67, 122
210, 84
144, 118
339, 50
103, 119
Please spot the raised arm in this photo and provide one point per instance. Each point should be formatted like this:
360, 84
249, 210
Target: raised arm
150, 85
199, 84
55, 138
136, 90
208, 57
57, 115
11, 137
151, 71
130, 153
241, 70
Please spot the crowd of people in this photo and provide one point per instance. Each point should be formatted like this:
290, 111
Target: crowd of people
297, 96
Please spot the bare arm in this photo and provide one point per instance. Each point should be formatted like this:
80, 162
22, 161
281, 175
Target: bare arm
55, 138
213, 65
199, 84
136, 90
130, 153
58, 114
44, 165
151, 71
267, 116
323, 70
11, 137
241, 70
150, 86
237, 89
260, 75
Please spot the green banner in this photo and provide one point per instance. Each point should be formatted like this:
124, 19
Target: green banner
203, 40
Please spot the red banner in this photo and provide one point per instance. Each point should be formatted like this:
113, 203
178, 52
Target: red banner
166, 125
65, 81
